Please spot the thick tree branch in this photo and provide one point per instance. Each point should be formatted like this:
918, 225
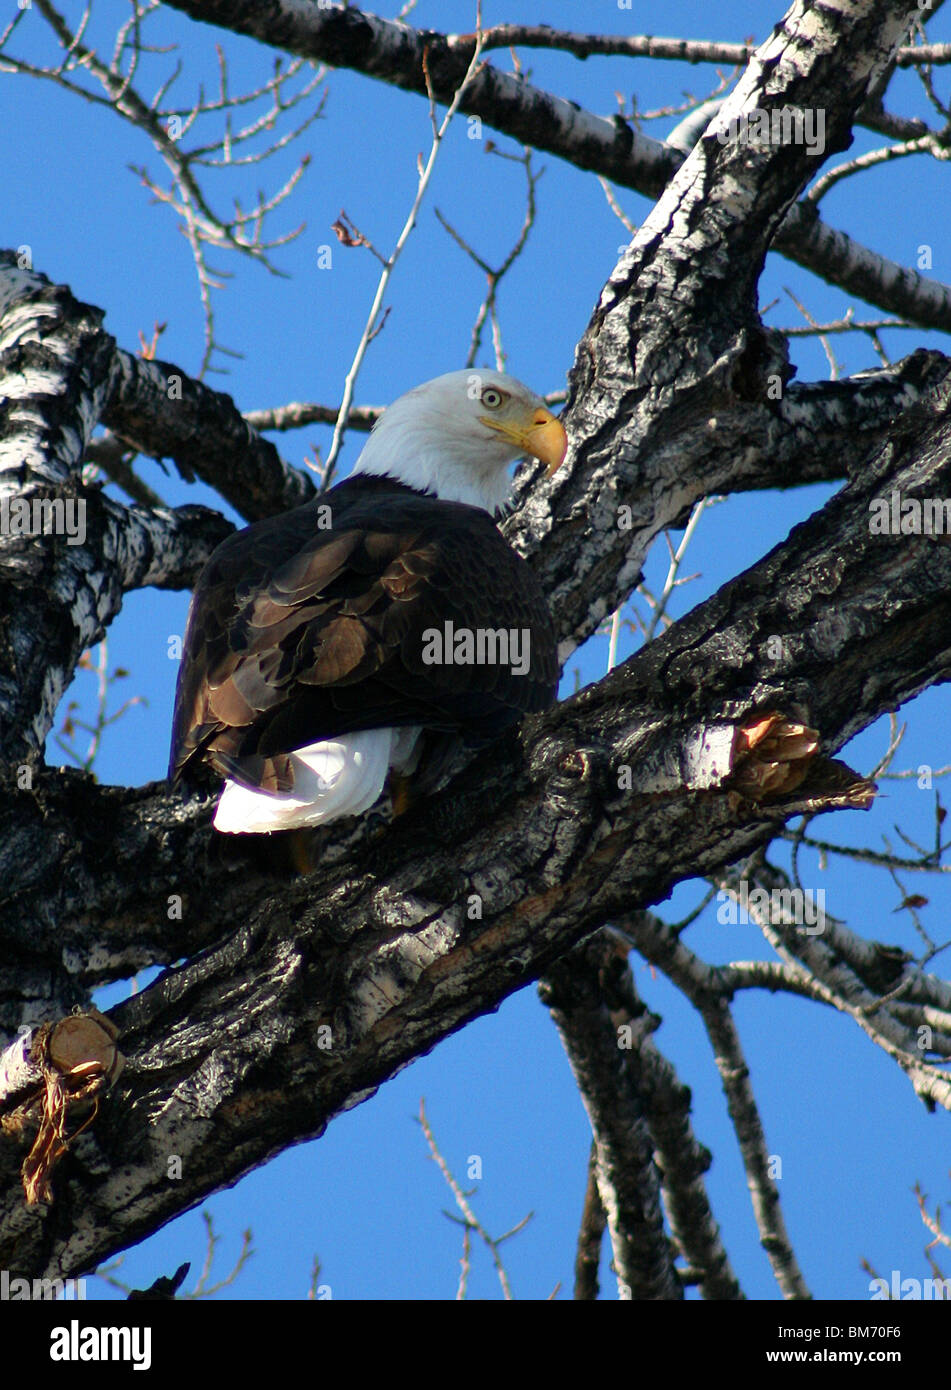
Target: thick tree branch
377, 944
630, 478
68, 553
597, 808
695, 262
163, 412
123, 548
393, 52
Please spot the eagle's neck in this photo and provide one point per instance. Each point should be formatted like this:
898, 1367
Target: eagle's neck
419, 459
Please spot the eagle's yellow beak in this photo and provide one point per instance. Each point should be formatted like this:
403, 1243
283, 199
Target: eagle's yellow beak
543, 437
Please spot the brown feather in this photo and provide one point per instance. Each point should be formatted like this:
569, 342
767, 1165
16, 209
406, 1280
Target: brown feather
298, 634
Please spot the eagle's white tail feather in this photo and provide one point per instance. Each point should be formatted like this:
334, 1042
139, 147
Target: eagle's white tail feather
338, 777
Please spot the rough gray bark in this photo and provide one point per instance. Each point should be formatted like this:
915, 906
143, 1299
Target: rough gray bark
375, 952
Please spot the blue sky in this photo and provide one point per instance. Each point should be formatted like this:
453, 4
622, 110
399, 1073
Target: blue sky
366, 1198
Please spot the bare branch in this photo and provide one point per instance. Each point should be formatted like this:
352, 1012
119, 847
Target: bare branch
590, 1234
642, 46
425, 175
937, 146
658, 944
494, 275
472, 1223
393, 53
166, 128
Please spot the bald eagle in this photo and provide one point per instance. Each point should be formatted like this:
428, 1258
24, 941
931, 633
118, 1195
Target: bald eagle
376, 628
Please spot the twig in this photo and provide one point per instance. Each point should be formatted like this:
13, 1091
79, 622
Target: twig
470, 1220
202, 1288
102, 720
926, 144
487, 309
166, 128
834, 365
425, 175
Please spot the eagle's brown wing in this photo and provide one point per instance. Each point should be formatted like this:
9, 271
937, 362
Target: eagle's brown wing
298, 634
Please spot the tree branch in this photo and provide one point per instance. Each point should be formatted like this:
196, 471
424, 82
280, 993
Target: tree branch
377, 945
68, 553
622, 1075
593, 810
393, 52
644, 46
611, 1085
161, 411
659, 944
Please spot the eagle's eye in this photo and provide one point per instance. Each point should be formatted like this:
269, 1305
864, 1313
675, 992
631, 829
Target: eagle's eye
492, 397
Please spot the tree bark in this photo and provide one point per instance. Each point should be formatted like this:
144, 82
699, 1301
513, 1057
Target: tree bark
299, 997
394, 52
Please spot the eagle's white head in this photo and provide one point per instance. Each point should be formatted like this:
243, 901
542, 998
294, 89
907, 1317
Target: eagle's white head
457, 435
